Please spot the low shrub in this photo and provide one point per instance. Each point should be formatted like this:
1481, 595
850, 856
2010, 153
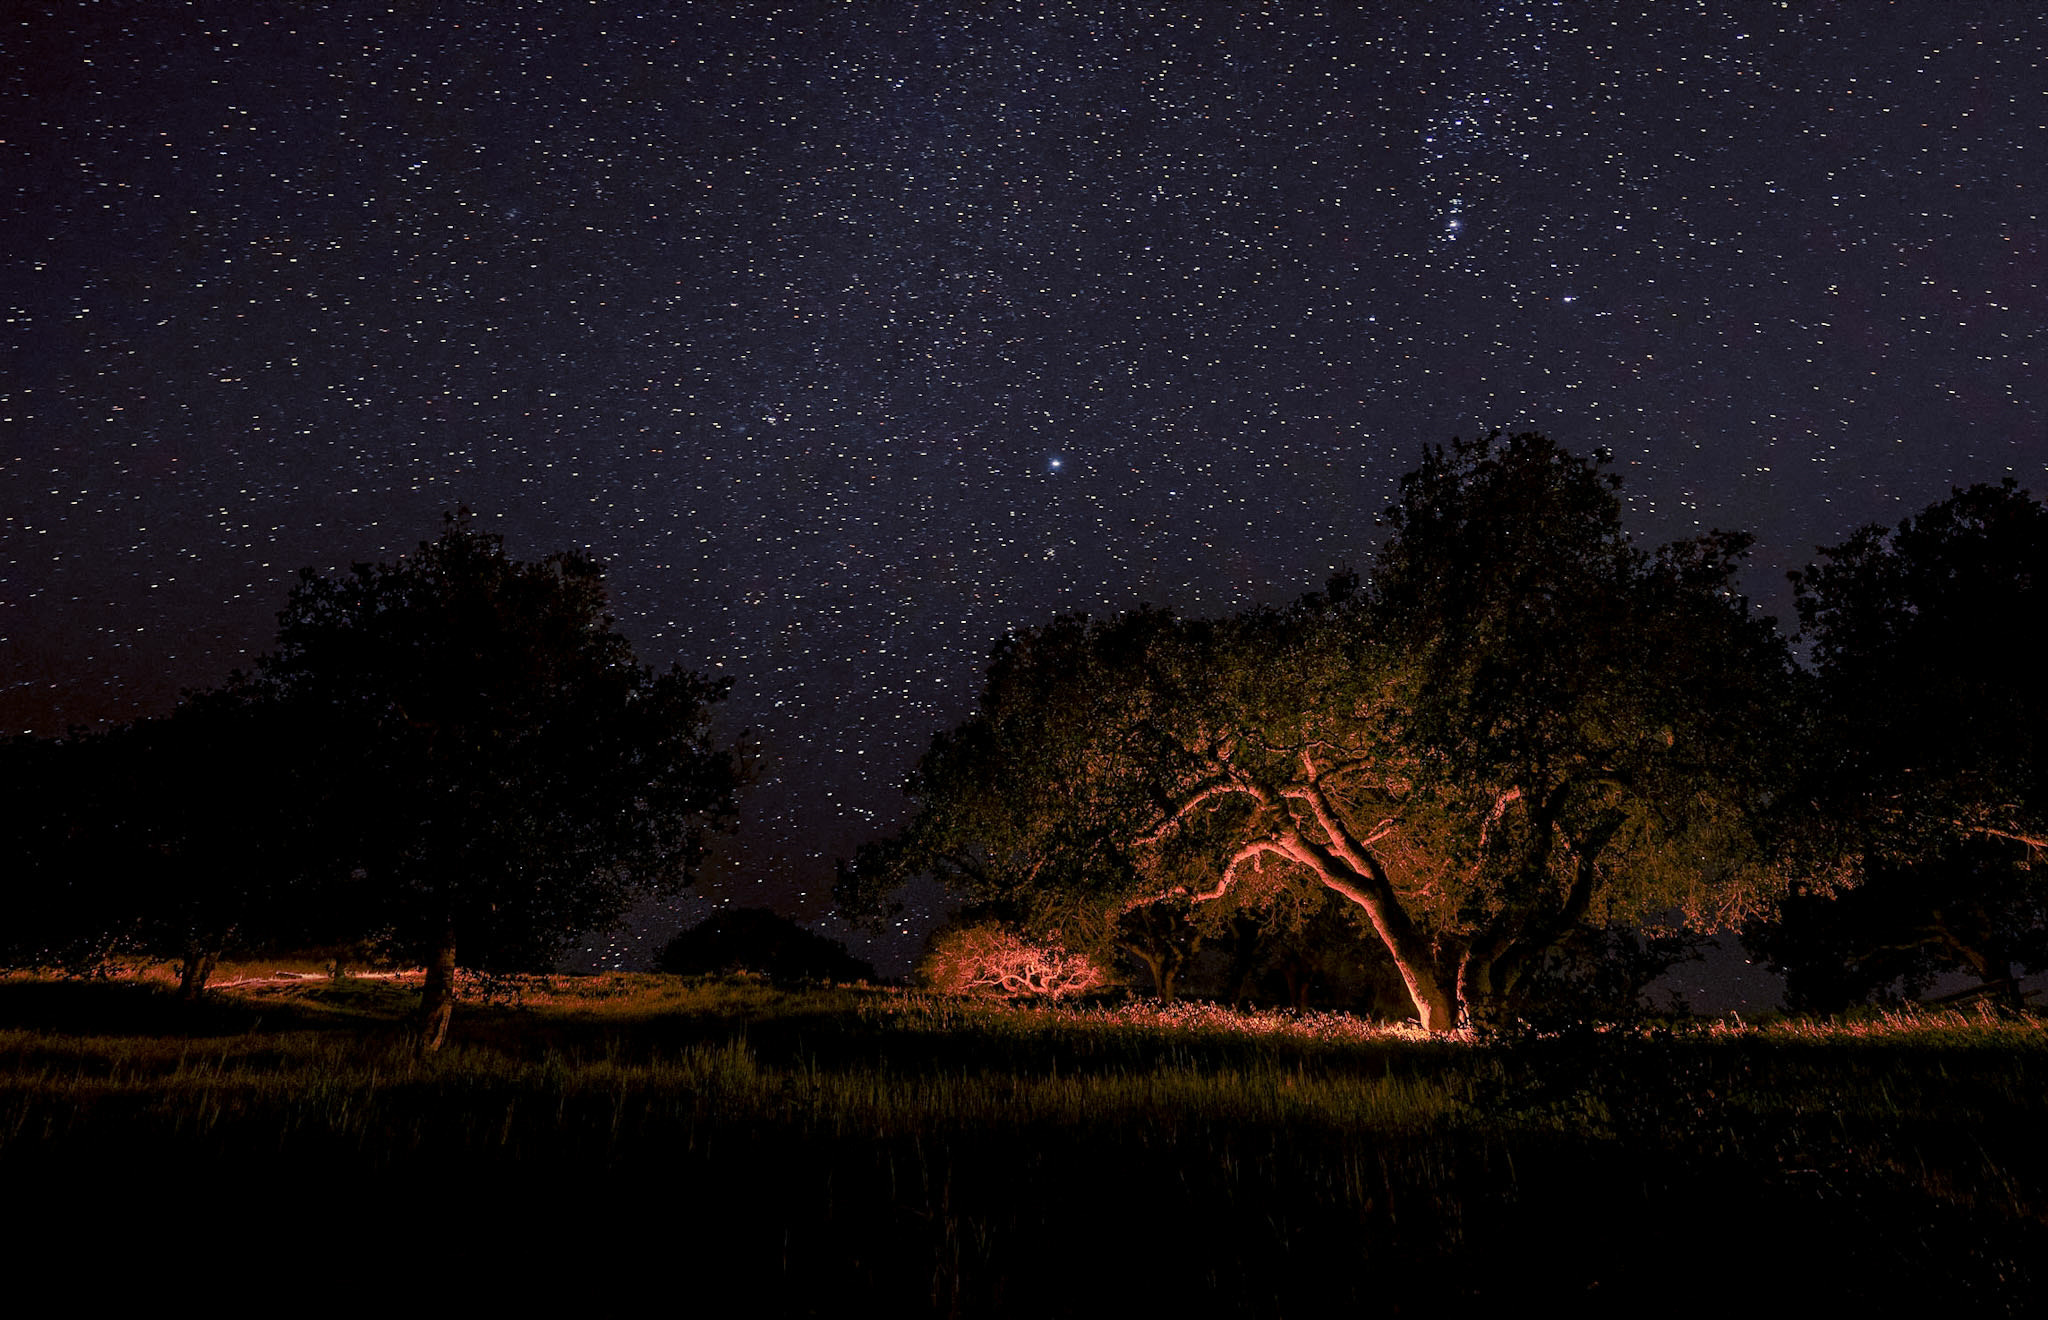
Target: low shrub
995, 961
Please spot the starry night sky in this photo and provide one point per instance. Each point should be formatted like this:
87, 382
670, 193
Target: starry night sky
853, 335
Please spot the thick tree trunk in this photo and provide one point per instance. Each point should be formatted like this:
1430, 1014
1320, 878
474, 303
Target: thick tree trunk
1475, 986
1348, 867
437, 995
1412, 959
1297, 978
1498, 958
1432, 1006
1158, 966
1403, 943
198, 967
1483, 988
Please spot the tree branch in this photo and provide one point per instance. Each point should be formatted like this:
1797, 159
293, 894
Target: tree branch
1247, 853
1578, 901
1356, 855
1501, 804
2034, 842
1243, 855
1213, 789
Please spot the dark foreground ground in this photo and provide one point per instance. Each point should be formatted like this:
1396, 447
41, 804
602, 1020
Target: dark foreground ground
745, 1151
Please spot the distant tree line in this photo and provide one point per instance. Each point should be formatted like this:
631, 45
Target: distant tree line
455, 759
1523, 762
1510, 773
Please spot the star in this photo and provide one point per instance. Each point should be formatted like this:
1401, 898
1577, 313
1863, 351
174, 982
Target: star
799, 315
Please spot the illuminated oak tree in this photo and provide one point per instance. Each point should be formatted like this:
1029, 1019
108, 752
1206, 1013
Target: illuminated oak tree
501, 773
1522, 726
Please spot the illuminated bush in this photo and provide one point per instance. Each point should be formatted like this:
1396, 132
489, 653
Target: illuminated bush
989, 960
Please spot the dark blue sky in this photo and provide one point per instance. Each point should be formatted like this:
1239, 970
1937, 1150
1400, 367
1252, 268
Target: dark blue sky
854, 335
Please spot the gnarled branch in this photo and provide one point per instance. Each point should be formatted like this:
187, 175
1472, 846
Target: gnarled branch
1250, 851
1215, 788
2034, 842
1243, 855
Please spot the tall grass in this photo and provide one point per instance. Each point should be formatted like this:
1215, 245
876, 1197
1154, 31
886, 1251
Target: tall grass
974, 1158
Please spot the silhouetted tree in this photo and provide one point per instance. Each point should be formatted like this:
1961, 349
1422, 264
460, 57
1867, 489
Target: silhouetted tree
764, 943
1901, 925
1162, 938
501, 773
1924, 787
1601, 974
174, 837
213, 820
59, 900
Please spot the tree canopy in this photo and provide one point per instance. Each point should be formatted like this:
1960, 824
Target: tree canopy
500, 772
1520, 724
1923, 784
61, 854
1926, 641
214, 809
170, 837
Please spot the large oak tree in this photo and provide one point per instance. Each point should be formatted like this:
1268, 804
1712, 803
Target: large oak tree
1521, 725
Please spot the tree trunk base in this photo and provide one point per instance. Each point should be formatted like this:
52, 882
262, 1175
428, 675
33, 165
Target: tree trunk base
437, 999
193, 975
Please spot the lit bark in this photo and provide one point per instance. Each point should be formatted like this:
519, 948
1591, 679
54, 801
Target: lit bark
1372, 891
2034, 842
1344, 865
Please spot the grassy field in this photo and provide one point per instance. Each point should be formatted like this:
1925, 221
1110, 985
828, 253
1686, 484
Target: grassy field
934, 1157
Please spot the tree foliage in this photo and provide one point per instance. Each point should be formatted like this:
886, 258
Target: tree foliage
1926, 641
1520, 725
167, 838
214, 810
500, 773
62, 858
1923, 784
456, 756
